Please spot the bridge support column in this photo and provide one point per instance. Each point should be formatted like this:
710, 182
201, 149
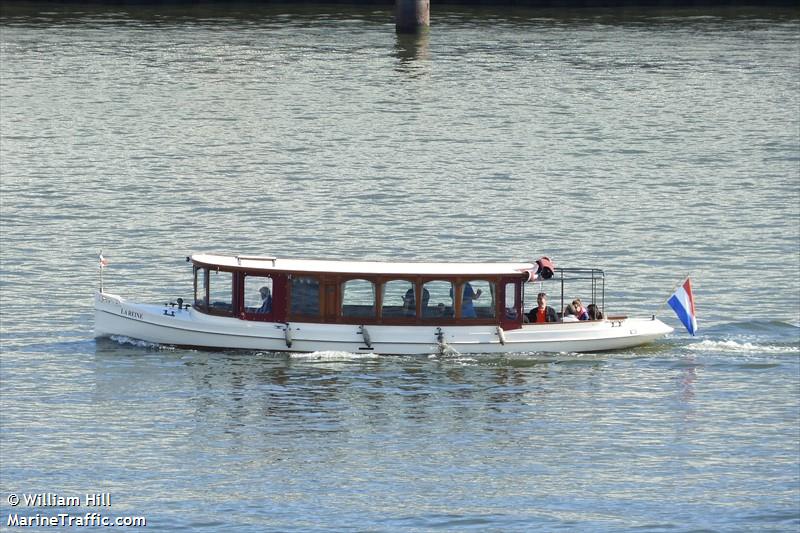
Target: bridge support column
412, 16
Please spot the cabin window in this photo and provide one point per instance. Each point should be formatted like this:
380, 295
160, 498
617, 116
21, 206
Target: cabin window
511, 301
200, 287
437, 299
220, 291
258, 294
358, 299
399, 299
477, 299
305, 296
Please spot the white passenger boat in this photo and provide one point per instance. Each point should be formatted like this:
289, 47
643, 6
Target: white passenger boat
292, 305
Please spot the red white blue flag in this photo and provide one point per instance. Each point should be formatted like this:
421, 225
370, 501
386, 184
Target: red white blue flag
103, 261
682, 302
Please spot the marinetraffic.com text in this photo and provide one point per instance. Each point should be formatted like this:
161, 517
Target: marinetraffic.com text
67, 511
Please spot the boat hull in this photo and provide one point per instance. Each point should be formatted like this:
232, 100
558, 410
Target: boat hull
188, 327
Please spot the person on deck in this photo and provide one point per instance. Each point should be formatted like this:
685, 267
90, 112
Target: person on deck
594, 312
542, 313
569, 314
580, 310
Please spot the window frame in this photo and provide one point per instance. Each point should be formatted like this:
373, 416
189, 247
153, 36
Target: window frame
417, 301
232, 291
321, 303
342, 292
241, 289
492, 287
518, 287
203, 306
452, 319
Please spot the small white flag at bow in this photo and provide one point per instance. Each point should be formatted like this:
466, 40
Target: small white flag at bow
103, 261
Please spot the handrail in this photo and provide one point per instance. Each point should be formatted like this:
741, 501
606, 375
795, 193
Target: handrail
240, 258
593, 273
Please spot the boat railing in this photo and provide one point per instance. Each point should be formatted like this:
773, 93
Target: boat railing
595, 276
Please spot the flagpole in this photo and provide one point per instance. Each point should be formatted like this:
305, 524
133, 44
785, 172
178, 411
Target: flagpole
664, 302
102, 267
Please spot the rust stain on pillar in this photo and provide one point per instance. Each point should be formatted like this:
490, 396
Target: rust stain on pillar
412, 16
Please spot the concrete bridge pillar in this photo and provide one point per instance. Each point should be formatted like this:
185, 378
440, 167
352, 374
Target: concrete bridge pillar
412, 16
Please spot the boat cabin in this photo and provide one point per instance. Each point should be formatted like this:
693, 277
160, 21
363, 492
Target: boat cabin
269, 289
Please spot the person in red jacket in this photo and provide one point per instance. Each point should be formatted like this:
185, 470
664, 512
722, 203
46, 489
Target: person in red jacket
542, 313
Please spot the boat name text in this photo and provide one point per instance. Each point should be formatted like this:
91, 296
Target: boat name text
129, 313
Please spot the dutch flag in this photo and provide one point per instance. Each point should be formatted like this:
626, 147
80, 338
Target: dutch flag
682, 302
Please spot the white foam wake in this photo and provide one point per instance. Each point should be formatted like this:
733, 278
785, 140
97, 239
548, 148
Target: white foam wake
742, 347
333, 355
121, 339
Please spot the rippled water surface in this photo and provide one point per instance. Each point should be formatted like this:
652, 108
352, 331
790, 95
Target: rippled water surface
651, 145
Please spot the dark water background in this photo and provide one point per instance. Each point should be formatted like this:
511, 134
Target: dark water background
650, 144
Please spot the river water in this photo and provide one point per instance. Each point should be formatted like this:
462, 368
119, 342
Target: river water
652, 145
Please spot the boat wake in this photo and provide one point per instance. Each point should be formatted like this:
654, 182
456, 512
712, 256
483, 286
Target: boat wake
758, 336
332, 355
128, 341
732, 346
759, 327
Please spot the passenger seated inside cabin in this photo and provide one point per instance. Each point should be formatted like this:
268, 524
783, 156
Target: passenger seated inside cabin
542, 313
594, 312
410, 303
440, 292
439, 310
266, 300
580, 311
569, 314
